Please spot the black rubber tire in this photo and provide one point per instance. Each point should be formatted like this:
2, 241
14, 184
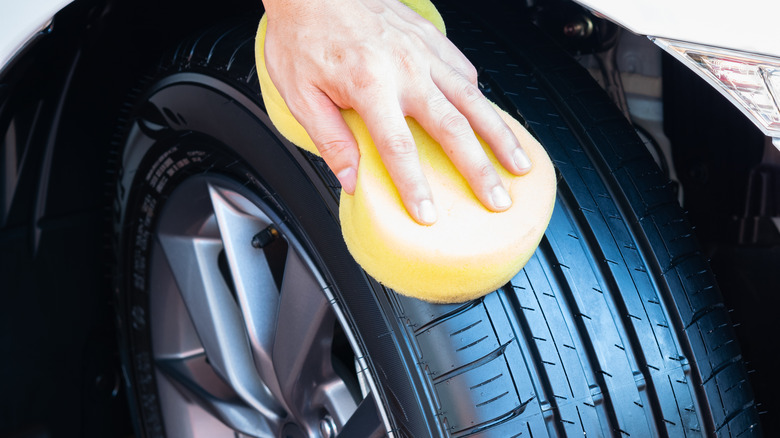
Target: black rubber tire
614, 328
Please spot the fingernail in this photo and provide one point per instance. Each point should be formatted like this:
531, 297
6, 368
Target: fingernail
426, 212
500, 197
522, 161
348, 179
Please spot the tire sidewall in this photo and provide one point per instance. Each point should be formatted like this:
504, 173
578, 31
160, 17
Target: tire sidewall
188, 124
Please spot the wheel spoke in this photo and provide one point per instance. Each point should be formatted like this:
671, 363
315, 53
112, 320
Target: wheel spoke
194, 378
252, 345
365, 422
216, 317
303, 336
258, 298
174, 334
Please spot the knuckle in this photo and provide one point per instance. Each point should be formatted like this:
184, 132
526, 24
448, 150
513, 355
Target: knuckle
485, 170
454, 124
362, 79
428, 28
406, 63
399, 145
303, 101
502, 134
297, 106
469, 93
335, 146
469, 72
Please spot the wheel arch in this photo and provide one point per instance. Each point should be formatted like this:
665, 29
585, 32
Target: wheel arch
60, 99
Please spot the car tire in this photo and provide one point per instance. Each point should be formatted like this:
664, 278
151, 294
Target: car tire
615, 327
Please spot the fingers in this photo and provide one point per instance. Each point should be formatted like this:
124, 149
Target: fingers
396, 146
406, 68
484, 119
456, 60
322, 120
452, 130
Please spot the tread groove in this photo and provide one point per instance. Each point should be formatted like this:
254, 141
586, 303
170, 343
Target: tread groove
449, 315
540, 372
495, 354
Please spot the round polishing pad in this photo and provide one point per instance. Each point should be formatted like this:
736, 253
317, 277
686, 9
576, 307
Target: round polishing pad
470, 251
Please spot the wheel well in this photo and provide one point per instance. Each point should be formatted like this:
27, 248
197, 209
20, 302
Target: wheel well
60, 101
80, 72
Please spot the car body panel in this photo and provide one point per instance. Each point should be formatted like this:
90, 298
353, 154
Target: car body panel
21, 21
747, 25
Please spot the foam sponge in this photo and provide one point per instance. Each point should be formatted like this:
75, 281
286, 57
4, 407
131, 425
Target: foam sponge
470, 251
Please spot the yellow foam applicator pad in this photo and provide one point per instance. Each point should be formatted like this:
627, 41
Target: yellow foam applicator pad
470, 251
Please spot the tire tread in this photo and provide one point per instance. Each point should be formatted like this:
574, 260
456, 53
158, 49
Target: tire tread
626, 217
534, 356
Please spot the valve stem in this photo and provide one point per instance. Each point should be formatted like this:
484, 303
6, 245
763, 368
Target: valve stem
265, 237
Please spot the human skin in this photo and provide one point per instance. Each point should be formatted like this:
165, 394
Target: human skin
386, 62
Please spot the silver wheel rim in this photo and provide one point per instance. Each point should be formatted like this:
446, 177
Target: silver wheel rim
242, 324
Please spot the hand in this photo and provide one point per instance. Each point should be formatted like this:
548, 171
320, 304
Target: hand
386, 62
